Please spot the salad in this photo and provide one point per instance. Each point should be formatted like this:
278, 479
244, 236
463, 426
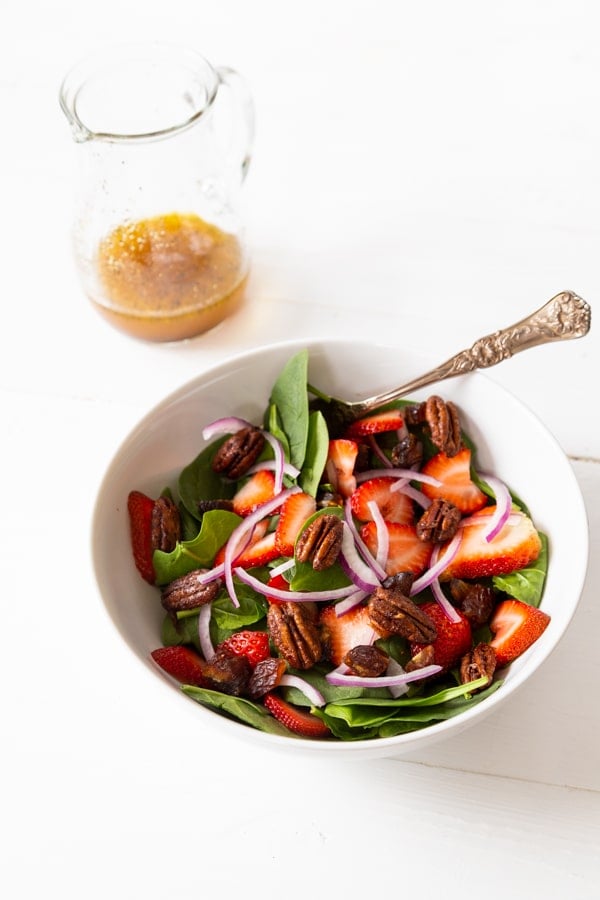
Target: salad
339, 586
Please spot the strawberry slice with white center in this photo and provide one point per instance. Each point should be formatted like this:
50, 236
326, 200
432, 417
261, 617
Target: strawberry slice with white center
515, 626
516, 545
457, 487
297, 720
259, 552
259, 488
406, 552
390, 420
342, 633
395, 506
294, 513
339, 467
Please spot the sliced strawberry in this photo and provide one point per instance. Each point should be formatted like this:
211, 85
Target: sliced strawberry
516, 546
258, 553
342, 633
254, 645
454, 472
140, 507
292, 516
406, 552
339, 467
515, 626
279, 583
182, 663
259, 488
297, 720
391, 420
395, 506
454, 639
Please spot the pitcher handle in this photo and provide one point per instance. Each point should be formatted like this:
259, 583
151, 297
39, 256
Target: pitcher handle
241, 94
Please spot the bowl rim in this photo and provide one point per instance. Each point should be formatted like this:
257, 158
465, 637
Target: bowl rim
376, 747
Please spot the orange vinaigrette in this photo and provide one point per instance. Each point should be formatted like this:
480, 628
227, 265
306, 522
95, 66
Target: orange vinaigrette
170, 277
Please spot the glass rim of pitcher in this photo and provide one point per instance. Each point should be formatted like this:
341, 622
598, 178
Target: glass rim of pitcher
79, 74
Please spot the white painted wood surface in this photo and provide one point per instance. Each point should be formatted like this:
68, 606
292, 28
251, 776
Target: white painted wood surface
428, 169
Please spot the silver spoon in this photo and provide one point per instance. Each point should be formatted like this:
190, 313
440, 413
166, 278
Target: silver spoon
563, 317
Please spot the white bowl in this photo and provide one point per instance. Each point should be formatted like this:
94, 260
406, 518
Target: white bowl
512, 443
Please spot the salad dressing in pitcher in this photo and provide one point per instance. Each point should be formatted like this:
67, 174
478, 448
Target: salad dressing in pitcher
170, 276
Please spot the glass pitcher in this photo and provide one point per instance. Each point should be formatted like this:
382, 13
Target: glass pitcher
164, 143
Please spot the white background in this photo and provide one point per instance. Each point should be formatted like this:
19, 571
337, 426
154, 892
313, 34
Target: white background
427, 170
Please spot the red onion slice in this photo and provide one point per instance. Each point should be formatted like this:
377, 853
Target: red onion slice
279, 459
227, 425
232, 548
353, 564
310, 692
409, 474
503, 508
387, 464
360, 544
412, 492
206, 645
438, 593
269, 465
282, 567
344, 606
293, 596
212, 574
394, 668
383, 535
435, 570
343, 680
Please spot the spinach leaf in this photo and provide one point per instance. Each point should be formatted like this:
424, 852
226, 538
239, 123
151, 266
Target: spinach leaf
527, 584
274, 425
331, 692
290, 396
237, 708
217, 525
180, 631
197, 481
317, 446
227, 618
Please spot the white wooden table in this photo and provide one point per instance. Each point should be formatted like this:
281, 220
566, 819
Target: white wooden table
428, 170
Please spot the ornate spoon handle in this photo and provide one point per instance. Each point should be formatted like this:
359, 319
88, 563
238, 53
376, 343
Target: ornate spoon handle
563, 317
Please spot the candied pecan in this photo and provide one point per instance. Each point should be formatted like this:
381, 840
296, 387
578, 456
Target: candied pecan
444, 424
403, 581
474, 599
208, 505
241, 450
320, 542
266, 676
391, 612
414, 414
439, 522
424, 657
295, 633
166, 525
228, 673
367, 660
408, 452
188, 592
479, 662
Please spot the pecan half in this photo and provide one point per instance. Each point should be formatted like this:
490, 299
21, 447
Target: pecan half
475, 600
295, 633
266, 676
228, 674
478, 663
208, 505
320, 542
187, 592
166, 525
424, 657
408, 452
439, 522
444, 424
391, 612
367, 660
240, 451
